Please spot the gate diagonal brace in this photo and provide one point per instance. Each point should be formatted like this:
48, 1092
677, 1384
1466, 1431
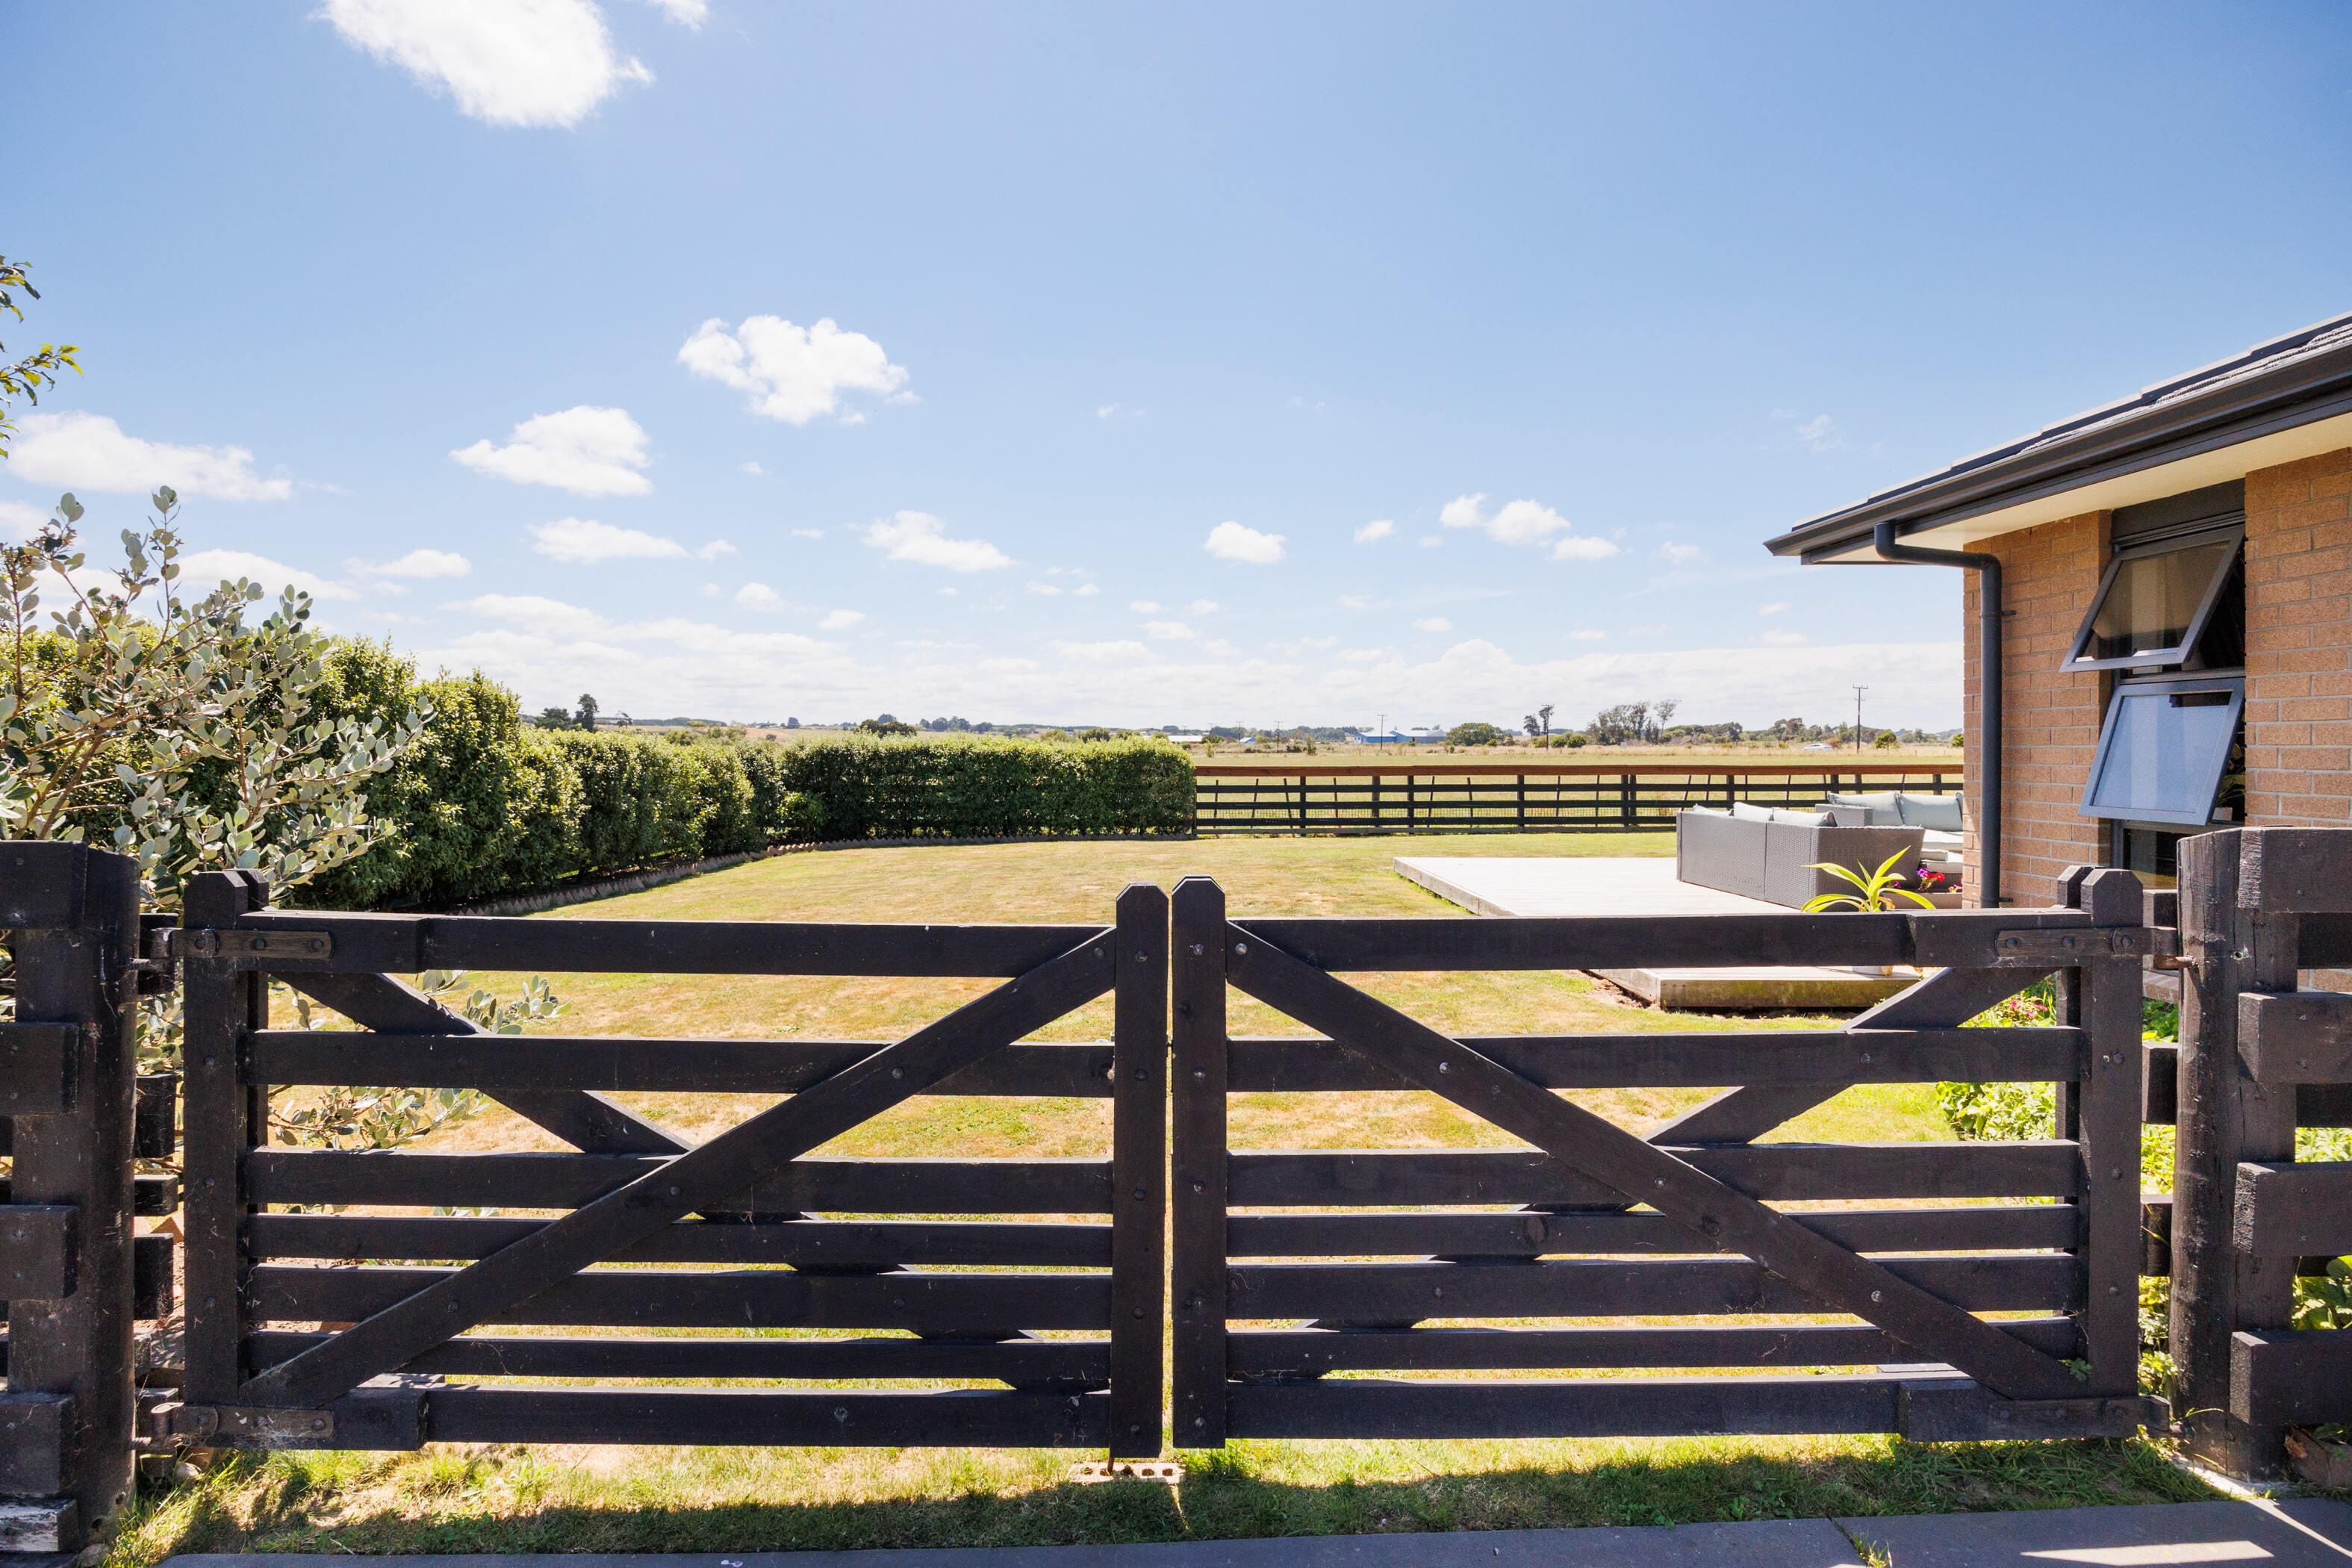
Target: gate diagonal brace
1598, 1149
707, 1177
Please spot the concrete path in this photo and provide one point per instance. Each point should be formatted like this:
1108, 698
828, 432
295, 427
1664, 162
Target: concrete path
2305, 1533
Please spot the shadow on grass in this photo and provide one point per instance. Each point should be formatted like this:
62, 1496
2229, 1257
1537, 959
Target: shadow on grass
460, 1502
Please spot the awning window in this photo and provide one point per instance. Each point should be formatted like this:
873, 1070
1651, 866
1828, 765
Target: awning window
2164, 749
2154, 603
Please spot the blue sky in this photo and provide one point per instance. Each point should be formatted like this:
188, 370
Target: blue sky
1031, 361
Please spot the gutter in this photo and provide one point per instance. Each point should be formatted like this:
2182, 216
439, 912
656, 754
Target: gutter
1890, 546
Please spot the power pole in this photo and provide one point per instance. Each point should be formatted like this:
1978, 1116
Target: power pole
1857, 716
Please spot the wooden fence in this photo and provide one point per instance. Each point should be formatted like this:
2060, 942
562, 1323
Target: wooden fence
1271, 795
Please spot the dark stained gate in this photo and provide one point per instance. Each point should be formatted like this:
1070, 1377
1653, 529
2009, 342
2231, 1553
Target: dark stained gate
1831, 1256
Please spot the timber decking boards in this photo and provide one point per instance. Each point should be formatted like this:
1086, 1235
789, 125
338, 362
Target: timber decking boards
1596, 885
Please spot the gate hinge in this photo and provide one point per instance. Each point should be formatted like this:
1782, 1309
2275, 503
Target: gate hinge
280, 944
244, 1425
2056, 947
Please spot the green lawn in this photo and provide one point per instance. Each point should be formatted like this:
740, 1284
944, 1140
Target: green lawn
523, 1499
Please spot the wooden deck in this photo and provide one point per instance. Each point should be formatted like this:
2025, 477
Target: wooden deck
1594, 885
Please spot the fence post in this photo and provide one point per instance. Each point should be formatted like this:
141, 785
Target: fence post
2102, 998
2225, 1117
1139, 1255
1625, 799
222, 1117
1200, 1059
67, 1067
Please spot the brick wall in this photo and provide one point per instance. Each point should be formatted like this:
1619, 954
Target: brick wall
2051, 721
2299, 643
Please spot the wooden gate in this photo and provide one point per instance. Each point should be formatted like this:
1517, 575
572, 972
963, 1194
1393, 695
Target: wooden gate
339, 1328
1825, 1256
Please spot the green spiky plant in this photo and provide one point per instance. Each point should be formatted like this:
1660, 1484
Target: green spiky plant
1875, 893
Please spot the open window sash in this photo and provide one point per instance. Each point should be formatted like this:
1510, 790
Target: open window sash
2164, 749
2155, 601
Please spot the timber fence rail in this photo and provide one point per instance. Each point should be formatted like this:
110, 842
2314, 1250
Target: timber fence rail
1272, 796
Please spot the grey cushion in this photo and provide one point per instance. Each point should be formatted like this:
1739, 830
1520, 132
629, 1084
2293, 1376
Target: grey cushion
1881, 810
1801, 819
1940, 812
1746, 813
1707, 811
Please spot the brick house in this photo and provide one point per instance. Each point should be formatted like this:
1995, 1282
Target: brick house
2169, 583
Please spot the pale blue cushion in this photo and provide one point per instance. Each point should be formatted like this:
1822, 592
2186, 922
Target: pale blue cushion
1881, 810
1941, 811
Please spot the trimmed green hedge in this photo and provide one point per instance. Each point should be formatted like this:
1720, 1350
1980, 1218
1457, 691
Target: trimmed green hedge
484, 804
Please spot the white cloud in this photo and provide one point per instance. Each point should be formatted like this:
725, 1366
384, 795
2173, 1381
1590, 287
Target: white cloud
1087, 591
1103, 652
1144, 607
19, 521
1117, 411
1588, 634
1356, 601
1675, 553
1201, 607
90, 452
1166, 631
1370, 532
840, 620
808, 533
1044, 590
715, 549
203, 568
685, 13
417, 564
1820, 434
1433, 623
1364, 655
506, 62
1523, 523
1233, 542
919, 537
549, 617
1785, 639
753, 467
587, 451
1774, 609
794, 373
756, 595
583, 542
1430, 541
1218, 647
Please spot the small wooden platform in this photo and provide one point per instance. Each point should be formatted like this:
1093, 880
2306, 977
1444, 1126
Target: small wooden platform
1594, 885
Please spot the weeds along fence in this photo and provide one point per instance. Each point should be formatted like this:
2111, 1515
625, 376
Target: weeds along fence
1570, 1278
1269, 796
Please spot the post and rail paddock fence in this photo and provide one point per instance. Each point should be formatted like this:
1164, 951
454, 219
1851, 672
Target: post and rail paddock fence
597, 1277
1267, 795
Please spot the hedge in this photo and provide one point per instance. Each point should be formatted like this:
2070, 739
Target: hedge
484, 804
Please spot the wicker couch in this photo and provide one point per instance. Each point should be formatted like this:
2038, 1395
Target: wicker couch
1758, 856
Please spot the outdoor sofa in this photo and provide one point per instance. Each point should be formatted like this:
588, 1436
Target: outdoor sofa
1941, 819
1764, 853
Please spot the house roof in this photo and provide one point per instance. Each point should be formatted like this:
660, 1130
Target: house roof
2278, 400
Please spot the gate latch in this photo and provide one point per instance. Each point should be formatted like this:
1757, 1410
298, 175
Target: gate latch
259, 944
2056, 947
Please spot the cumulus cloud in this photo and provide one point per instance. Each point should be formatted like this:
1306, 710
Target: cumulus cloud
1430, 541
1588, 634
418, 564
1124, 652
685, 13
1233, 542
808, 533
756, 595
1087, 591
19, 522
1201, 607
1433, 623
1675, 553
1045, 589
585, 542
919, 537
504, 62
1373, 532
753, 467
1785, 639
794, 373
207, 567
1356, 601
1117, 411
588, 451
1523, 523
840, 620
1774, 609
549, 617
1144, 607
1820, 434
92, 452
1166, 631
715, 549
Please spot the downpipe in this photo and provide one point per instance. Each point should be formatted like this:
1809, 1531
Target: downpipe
1989, 684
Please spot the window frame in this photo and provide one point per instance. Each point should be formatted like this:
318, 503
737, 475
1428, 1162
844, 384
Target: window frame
2236, 687
2234, 534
